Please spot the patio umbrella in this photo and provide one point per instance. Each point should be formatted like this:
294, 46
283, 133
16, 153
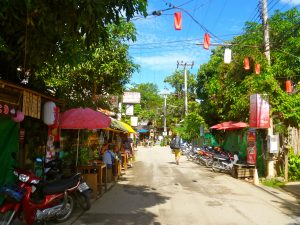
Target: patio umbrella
83, 118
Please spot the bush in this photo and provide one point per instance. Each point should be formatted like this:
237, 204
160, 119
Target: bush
294, 166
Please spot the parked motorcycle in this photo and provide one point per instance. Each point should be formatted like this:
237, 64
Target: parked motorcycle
223, 163
34, 200
53, 171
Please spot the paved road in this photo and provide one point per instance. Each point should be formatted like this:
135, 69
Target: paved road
159, 192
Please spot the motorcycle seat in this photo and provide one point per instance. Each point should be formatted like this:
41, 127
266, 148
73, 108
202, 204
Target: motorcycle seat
58, 186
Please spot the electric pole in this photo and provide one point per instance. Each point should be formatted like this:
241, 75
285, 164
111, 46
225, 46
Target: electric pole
185, 82
264, 10
264, 15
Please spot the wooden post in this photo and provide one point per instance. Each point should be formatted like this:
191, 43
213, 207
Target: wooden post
286, 164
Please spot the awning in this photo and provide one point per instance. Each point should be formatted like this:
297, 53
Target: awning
121, 126
128, 127
230, 126
143, 131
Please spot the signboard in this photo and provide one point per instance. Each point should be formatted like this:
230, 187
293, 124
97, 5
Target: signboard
31, 105
259, 112
251, 147
272, 143
134, 121
131, 97
129, 110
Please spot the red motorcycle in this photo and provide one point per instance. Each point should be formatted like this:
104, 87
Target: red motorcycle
34, 200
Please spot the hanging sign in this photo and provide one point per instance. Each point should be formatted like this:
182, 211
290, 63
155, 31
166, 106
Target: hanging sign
131, 97
134, 121
129, 110
31, 105
259, 112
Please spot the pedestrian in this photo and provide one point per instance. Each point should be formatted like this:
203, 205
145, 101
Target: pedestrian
175, 146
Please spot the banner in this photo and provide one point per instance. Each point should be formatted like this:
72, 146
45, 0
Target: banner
251, 147
259, 112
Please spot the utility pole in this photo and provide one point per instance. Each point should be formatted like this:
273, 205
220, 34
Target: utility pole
264, 15
185, 83
264, 9
165, 94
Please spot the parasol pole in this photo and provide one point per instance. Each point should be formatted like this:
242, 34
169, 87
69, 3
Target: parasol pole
77, 148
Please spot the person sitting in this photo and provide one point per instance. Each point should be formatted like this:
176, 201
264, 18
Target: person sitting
109, 156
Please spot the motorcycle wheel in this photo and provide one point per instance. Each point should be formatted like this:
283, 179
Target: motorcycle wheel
209, 163
6, 218
84, 200
216, 167
65, 213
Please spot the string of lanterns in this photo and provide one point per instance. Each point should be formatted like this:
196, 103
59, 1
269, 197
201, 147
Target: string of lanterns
228, 52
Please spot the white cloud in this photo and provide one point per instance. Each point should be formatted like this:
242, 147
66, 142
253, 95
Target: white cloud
291, 2
168, 62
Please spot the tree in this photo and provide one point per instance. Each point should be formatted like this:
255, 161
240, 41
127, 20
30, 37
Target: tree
102, 69
34, 32
225, 89
151, 106
189, 129
175, 106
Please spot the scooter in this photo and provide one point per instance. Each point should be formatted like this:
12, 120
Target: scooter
34, 200
224, 164
53, 171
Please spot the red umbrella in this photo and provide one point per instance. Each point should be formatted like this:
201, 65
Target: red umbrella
83, 118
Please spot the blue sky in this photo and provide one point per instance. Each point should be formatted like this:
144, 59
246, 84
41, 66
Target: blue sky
159, 46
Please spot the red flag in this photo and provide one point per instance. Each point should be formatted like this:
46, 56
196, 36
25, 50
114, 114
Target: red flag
206, 41
257, 68
177, 20
246, 63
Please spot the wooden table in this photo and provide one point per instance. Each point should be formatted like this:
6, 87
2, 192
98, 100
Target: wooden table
95, 176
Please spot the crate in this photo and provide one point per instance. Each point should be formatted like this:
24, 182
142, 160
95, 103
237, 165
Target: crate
243, 171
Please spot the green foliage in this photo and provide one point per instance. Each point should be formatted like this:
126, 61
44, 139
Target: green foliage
152, 103
272, 183
35, 34
103, 69
189, 129
294, 166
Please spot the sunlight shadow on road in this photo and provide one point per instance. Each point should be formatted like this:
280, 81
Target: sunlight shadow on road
125, 204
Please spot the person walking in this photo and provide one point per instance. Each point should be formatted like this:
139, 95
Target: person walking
175, 146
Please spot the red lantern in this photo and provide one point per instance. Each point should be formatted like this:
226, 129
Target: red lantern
206, 41
288, 86
246, 63
177, 20
257, 68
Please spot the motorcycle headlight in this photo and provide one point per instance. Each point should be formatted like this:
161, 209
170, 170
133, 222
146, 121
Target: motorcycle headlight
23, 177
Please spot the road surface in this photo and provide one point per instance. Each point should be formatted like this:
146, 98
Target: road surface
159, 192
